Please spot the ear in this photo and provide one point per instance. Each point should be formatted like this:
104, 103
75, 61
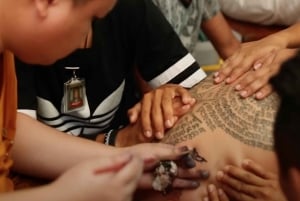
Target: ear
42, 7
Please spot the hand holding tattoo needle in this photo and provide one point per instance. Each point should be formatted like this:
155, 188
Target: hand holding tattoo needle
166, 172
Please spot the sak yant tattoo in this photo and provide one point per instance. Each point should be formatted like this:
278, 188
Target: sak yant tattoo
220, 109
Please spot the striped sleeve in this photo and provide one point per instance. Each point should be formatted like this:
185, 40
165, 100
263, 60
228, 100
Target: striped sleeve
185, 72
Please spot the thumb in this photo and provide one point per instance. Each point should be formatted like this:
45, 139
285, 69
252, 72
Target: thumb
134, 112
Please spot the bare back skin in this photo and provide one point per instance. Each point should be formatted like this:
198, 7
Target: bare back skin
224, 129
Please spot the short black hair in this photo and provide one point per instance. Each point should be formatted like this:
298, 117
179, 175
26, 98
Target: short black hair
287, 124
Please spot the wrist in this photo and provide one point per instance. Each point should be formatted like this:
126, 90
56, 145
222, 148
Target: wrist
110, 137
279, 39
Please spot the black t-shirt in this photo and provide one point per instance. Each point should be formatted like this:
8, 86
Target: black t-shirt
135, 33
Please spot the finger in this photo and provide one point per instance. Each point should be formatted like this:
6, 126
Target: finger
215, 194
227, 68
264, 92
248, 62
239, 71
222, 195
185, 183
129, 176
258, 170
167, 108
237, 195
253, 81
237, 185
131, 172
146, 115
193, 174
133, 113
146, 180
246, 80
157, 114
233, 64
185, 95
179, 108
159, 151
264, 61
244, 176
254, 87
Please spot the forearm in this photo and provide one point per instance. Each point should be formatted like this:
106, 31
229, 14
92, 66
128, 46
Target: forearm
45, 193
48, 192
221, 36
45, 152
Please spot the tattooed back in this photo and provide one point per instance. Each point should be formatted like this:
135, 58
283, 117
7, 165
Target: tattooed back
224, 129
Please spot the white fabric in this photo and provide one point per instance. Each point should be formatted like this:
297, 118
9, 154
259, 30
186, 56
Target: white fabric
266, 12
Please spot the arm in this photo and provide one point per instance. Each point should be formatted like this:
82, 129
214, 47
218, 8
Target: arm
221, 36
264, 57
255, 54
44, 152
161, 59
83, 181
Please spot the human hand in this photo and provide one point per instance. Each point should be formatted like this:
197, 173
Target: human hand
156, 110
99, 178
256, 82
214, 194
251, 55
187, 177
250, 183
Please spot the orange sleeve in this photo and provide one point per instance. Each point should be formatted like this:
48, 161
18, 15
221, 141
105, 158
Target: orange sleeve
8, 111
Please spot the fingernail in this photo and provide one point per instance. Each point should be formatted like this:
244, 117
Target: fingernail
243, 93
193, 101
159, 135
228, 80
175, 119
217, 79
246, 162
220, 191
238, 87
195, 184
220, 175
227, 168
258, 95
211, 188
148, 134
205, 199
188, 161
257, 66
169, 123
205, 174
216, 74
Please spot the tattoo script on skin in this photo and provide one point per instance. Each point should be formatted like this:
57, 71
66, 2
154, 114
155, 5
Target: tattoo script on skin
219, 107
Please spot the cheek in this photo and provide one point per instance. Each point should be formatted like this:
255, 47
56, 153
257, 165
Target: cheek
68, 39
